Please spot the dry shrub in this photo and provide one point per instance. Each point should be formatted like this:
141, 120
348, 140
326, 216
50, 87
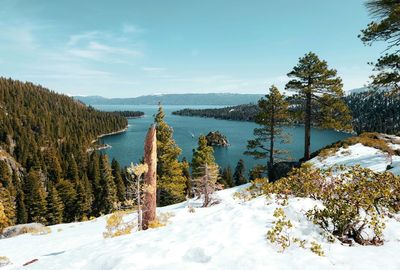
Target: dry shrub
4, 261
116, 226
161, 220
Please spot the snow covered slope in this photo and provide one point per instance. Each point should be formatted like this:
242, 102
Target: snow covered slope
358, 154
230, 235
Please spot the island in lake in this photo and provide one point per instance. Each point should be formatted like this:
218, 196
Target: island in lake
216, 138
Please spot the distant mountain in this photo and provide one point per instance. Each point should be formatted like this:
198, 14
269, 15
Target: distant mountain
227, 99
358, 90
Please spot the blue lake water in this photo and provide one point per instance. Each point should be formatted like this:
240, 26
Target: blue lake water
127, 147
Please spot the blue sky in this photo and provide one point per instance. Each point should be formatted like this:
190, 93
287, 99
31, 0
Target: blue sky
128, 48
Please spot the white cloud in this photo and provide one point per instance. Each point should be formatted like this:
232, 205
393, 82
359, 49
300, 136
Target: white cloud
130, 28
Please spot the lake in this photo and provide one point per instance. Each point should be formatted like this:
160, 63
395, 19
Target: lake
127, 147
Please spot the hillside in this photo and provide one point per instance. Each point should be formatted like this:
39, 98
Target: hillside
46, 174
175, 99
229, 235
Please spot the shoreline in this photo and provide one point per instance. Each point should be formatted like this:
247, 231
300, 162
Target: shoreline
110, 134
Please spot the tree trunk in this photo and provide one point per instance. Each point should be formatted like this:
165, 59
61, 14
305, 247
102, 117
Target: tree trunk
139, 203
307, 127
150, 178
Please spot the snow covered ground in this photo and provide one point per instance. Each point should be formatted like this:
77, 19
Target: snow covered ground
358, 154
230, 235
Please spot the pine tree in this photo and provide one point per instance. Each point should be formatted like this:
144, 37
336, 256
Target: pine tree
385, 28
55, 207
108, 195
83, 201
203, 155
171, 183
94, 179
272, 116
256, 172
53, 167
35, 197
319, 92
239, 177
119, 183
21, 214
227, 177
186, 174
68, 195
4, 220
72, 170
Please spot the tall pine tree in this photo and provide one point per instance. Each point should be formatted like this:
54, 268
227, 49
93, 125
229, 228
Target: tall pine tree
171, 183
203, 155
272, 116
35, 197
108, 194
319, 93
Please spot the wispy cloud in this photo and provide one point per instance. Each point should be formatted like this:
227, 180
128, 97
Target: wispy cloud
130, 28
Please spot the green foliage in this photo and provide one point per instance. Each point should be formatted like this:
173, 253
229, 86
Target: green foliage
68, 195
226, 178
279, 233
108, 192
375, 111
55, 207
35, 197
239, 176
272, 116
318, 99
119, 183
385, 27
203, 155
171, 183
354, 199
47, 135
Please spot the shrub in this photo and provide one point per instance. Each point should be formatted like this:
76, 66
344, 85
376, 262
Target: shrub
354, 200
116, 226
4, 261
162, 220
279, 233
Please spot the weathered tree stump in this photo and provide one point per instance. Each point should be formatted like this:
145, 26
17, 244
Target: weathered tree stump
150, 178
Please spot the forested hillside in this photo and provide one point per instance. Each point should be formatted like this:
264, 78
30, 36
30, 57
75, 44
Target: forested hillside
46, 174
372, 111
375, 112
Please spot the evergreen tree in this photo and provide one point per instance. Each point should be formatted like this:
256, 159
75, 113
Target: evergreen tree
203, 155
108, 195
72, 170
239, 177
35, 197
4, 220
319, 94
171, 183
119, 183
94, 179
21, 212
83, 200
55, 207
186, 174
68, 195
385, 28
53, 167
272, 116
227, 177
256, 172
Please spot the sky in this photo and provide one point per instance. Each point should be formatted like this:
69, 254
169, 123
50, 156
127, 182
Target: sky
128, 48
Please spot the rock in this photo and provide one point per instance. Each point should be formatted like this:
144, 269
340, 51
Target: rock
281, 169
215, 138
35, 228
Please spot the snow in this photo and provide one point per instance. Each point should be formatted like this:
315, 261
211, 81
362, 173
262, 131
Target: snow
358, 154
230, 235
